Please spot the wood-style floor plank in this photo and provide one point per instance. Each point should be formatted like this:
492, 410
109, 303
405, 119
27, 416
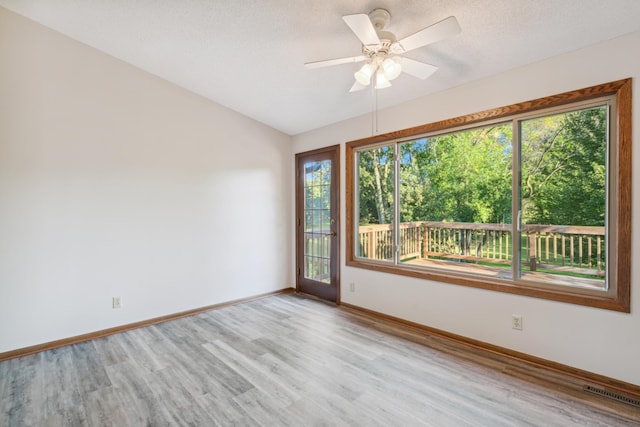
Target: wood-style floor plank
287, 360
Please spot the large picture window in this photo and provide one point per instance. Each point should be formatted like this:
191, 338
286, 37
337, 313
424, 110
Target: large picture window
532, 198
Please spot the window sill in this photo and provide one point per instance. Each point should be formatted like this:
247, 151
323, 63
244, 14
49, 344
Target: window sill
573, 295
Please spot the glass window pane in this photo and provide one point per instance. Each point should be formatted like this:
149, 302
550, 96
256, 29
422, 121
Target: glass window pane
308, 243
375, 179
326, 253
455, 201
563, 198
317, 217
308, 220
323, 220
308, 197
325, 202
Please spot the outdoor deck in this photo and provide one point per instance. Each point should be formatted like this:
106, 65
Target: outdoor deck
560, 254
506, 273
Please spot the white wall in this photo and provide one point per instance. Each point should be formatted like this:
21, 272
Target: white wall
116, 183
595, 340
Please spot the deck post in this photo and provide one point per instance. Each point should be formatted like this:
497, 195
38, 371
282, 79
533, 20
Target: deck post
425, 242
372, 244
533, 246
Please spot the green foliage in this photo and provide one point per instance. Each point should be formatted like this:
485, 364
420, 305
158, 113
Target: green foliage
317, 191
461, 177
466, 176
375, 174
563, 168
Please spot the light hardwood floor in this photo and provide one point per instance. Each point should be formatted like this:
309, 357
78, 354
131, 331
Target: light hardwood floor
286, 360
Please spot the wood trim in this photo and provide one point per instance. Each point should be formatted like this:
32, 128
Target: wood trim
617, 300
592, 92
582, 376
591, 300
25, 351
623, 250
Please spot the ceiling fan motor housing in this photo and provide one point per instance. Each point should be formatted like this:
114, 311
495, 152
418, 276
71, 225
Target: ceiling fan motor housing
383, 48
380, 18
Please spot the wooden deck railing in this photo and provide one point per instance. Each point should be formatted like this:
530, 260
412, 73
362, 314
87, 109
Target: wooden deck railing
577, 249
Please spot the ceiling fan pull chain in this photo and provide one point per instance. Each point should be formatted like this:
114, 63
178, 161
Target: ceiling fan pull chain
374, 110
376, 95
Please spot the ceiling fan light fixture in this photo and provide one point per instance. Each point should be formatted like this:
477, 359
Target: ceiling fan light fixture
379, 48
363, 76
381, 80
391, 68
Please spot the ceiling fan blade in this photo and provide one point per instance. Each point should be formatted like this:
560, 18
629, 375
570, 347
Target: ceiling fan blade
362, 27
338, 61
416, 68
448, 27
356, 87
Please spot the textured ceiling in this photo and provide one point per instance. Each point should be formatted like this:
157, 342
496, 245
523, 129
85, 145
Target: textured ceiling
248, 54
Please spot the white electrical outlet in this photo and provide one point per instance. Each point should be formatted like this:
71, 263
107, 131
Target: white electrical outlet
117, 302
352, 286
516, 322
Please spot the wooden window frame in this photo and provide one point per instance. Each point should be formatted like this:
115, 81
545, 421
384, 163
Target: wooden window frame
619, 252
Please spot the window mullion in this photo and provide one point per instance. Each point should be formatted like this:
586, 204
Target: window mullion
516, 208
396, 203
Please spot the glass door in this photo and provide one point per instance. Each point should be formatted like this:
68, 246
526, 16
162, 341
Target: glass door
317, 222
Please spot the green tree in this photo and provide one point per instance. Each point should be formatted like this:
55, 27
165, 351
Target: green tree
563, 168
461, 177
375, 175
466, 176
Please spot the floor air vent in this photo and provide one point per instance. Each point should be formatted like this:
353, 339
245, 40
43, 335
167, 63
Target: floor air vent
614, 396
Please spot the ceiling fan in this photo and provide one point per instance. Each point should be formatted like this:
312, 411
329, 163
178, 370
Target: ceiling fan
379, 49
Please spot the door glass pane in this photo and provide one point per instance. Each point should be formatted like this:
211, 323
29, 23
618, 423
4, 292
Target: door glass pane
456, 202
317, 221
563, 198
375, 203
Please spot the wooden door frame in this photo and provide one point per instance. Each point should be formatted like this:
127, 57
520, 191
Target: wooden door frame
299, 202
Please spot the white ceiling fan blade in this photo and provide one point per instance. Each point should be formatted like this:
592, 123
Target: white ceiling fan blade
448, 27
338, 61
356, 87
362, 27
416, 68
